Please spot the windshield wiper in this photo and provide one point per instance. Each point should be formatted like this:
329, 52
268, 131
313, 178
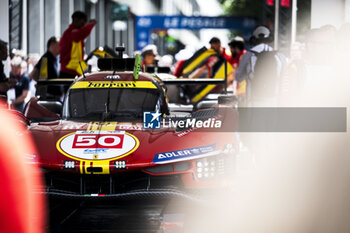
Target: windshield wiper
108, 96
107, 101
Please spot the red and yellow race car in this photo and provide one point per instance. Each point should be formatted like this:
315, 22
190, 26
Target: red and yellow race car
116, 136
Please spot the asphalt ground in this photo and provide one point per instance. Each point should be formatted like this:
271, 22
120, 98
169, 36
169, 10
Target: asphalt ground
78, 216
68, 216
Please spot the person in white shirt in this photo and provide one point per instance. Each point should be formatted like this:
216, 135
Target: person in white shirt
260, 39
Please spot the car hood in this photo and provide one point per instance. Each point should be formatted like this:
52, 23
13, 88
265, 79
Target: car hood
102, 144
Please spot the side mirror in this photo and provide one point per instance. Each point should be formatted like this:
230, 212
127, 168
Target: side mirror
39, 110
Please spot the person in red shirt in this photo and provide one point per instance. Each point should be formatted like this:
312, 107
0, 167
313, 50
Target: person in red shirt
237, 51
179, 66
207, 68
72, 45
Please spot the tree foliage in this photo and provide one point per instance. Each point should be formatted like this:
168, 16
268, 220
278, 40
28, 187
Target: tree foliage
260, 10
255, 7
243, 7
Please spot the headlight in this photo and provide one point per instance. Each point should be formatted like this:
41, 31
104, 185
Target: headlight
68, 164
214, 166
120, 164
207, 167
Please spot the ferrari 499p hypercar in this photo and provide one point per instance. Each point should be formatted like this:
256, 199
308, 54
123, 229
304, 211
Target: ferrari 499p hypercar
116, 136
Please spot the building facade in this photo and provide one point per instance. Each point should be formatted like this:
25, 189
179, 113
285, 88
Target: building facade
32, 22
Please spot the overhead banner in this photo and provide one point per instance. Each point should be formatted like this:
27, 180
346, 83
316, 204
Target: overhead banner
145, 24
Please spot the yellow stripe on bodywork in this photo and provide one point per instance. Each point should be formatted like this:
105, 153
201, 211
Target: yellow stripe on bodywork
219, 75
108, 126
198, 60
102, 163
93, 126
81, 167
103, 126
114, 84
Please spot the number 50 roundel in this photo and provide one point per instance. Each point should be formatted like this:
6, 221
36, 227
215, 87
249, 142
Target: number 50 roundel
108, 145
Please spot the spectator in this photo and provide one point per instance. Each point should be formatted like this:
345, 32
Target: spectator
237, 51
178, 68
313, 72
215, 44
3, 57
261, 68
4, 85
166, 60
207, 68
47, 67
149, 54
72, 45
32, 60
21, 81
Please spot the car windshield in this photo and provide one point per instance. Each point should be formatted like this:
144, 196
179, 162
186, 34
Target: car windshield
118, 104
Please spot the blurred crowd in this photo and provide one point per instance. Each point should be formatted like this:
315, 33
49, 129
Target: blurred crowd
256, 73
64, 58
261, 75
